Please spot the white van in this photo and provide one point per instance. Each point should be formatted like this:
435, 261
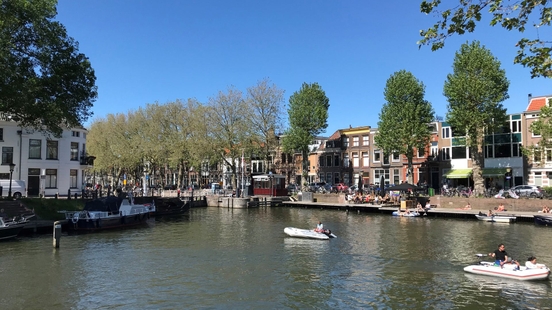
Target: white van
18, 188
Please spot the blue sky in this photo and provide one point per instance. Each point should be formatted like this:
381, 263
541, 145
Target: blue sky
159, 51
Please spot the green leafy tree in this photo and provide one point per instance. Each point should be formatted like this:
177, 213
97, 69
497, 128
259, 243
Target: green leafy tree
308, 117
45, 83
533, 53
475, 92
404, 118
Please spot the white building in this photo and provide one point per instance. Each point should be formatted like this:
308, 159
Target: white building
48, 165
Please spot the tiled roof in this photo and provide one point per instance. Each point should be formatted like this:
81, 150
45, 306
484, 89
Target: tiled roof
536, 103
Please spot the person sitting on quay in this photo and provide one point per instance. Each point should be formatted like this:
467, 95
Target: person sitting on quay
545, 209
490, 213
427, 206
419, 207
500, 208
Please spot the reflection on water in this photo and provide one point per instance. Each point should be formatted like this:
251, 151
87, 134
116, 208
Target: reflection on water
225, 258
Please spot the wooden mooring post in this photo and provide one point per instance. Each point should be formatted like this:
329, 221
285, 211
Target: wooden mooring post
57, 234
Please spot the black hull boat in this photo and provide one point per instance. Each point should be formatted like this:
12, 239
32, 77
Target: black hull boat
108, 213
10, 229
543, 220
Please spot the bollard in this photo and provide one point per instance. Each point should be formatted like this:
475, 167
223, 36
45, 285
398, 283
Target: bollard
69, 194
76, 196
56, 196
57, 234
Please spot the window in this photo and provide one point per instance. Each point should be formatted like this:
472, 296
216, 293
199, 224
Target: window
336, 177
516, 147
396, 156
35, 148
459, 152
537, 156
345, 160
52, 149
377, 156
365, 140
75, 133
346, 142
365, 159
346, 179
548, 153
378, 173
396, 176
355, 141
385, 160
7, 155
355, 160
421, 153
329, 177
321, 161
446, 133
516, 126
434, 149
73, 178
322, 177
337, 160
503, 150
489, 151
51, 178
329, 161
446, 153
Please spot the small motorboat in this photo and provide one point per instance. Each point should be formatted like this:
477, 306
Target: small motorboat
10, 228
309, 234
496, 218
544, 220
509, 271
406, 214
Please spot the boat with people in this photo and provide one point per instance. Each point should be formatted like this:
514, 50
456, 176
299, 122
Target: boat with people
543, 220
495, 218
309, 233
509, 271
109, 213
406, 213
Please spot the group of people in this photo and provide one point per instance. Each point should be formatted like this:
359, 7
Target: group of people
359, 198
501, 258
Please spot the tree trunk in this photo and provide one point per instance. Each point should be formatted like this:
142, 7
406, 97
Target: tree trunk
305, 168
478, 163
410, 178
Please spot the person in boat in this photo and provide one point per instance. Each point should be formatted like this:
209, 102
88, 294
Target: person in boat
406, 212
531, 263
501, 256
319, 227
3, 214
490, 213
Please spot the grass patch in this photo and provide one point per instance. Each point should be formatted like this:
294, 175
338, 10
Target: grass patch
47, 209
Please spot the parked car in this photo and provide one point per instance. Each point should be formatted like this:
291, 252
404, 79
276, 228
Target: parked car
340, 187
313, 187
533, 191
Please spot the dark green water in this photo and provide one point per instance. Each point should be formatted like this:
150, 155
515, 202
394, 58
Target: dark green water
218, 258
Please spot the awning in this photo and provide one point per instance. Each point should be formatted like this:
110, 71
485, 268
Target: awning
494, 172
458, 174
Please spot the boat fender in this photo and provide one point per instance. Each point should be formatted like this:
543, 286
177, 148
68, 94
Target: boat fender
75, 218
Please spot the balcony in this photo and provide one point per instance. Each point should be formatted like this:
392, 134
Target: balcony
86, 160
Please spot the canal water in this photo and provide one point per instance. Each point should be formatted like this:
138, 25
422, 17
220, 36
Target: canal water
218, 258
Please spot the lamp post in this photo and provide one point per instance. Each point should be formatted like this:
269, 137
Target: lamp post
12, 166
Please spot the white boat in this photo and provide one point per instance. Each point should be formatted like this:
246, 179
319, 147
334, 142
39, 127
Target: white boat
509, 271
496, 218
306, 233
409, 214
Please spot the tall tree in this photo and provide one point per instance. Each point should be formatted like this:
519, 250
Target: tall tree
534, 53
45, 83
475, 92
404, 118
265, 102
308, 117
228, 128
